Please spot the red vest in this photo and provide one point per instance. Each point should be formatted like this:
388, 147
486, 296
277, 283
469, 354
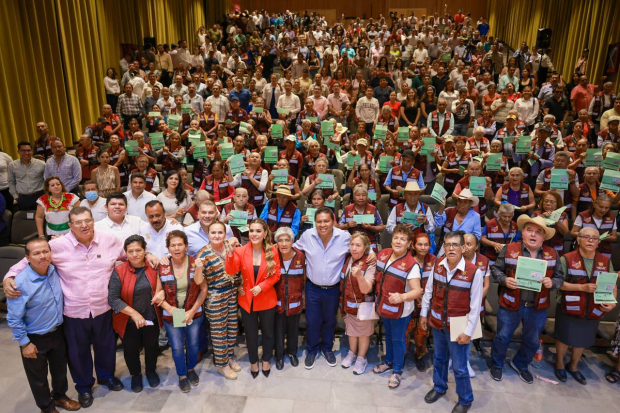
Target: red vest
608, 136
557, 241
578, 303
350, 295
126, 273
571, 143
371, 187
452, 178
568, 198
150, 174
587, 221
510, 299
486, 125
391, 279
168, 164
90, 156
484, 144
482, 263
235, 230
201, 170
169, 283
426, 269
482, 204
397, 180
207, 122
309, 160
286, 219
496, 234
435, 122
349, 212
450, 298
295, 161
290, 286
290, 182
598, 104
400, 212
256, 197
222, 187
327, 192
585, 197
524, 197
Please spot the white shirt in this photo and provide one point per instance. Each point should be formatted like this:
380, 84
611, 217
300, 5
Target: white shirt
131, 225
475, 294
289, 102
98, 210
429, 226
219, 106
156, 241
136, 207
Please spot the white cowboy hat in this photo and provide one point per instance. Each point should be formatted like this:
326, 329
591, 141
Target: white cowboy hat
539, 221
466, 194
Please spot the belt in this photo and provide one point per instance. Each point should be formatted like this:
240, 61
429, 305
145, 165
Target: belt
324, 287
529, 304
38, 193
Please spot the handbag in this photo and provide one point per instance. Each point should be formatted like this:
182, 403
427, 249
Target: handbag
366, 310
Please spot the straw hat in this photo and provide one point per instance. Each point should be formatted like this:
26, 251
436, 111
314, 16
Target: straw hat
283, 190
340, 128
412, 187
466, 194
540, 221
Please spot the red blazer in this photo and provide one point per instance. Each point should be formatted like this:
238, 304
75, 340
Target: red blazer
242, 260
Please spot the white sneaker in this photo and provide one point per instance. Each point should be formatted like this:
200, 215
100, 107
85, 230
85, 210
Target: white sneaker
472, 373
348, 360
360, 366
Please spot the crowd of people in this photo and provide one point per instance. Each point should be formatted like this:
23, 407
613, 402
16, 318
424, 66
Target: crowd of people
204, 204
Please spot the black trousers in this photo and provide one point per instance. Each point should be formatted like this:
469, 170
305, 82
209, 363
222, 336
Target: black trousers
135, 339
52, 353
28, 202
8, 198
250, 322
287, 327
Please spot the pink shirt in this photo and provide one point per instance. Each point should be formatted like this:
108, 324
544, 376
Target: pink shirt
320, 105
84, 272
582, 96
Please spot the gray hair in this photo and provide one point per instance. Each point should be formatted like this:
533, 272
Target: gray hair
284, 231
507, 208
516, 168
563, 154
360, 187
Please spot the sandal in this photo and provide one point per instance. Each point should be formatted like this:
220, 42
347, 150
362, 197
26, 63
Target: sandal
234, 366
231, 375
394, 382
613, 376
380, 370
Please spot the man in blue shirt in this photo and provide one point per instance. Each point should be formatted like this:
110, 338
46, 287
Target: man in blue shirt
285, 215
242, 94
36, 318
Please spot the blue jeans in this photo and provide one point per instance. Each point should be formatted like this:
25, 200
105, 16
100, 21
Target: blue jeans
182, 338
395, 342
460, 130
507, 323
444, 350
321, 307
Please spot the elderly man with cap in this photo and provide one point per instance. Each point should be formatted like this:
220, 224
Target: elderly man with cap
462, 217
282, 211
518, 306
234, 117
541, 154
610, 133
425, 219
361, 149
293, 156
399, 175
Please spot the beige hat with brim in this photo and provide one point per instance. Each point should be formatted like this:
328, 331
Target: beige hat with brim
412, 187
283, 190
539, 221
466, 194
340, 128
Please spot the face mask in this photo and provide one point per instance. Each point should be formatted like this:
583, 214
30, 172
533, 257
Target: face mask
91, 195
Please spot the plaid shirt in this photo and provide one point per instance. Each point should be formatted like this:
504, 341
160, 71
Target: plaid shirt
129, 105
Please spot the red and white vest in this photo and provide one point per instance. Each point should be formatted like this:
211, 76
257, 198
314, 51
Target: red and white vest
350, 295
391, 278
578, 303
290, 286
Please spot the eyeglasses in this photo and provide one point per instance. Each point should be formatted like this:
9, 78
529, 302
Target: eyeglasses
588, 238
451, 246
82, 222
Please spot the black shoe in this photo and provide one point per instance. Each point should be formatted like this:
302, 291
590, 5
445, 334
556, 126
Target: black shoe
578, 376
294, 360
193, 377
136, 383
432, 396
266, 372
279, 364
330, 358
496, 373
112, 384
524, 375
254, 374
460, 408
419, 364
477, 345
152, 378
184, 385
561, 375
309, 362
85, 399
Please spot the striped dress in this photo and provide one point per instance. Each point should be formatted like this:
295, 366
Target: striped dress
220, 305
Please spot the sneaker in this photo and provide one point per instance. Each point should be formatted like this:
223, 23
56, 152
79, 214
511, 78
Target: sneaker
309, 362
330, 358
348, 360
360, 366
471, 371
524, 375
496, 373
193, 377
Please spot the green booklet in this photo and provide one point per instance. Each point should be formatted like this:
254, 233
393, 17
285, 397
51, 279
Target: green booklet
311, 212
132, 148
154, 114
439, 193
364, 219
244, 130
605, 283
559, 179
173, 121
352, 159
380, 132
611, 181
236, 163
331, 204
257, 109
338, 155
328, 181
372, 196
612, 161
200, 150
245, 125
403, 134
227, 150
157, 141
410, 218
194, 139
240, 218
224, 202
280, 176
477, 185
284, 111
555, 216
276, 131
186, 108
530, 272
314, 119
178, 317
329, 144
524, 145
271, 154
384, 163
428, 147
594, 157
494, 162
327, 128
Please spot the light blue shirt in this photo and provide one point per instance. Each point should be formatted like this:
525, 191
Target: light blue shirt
197, 239
38, 310
264, 215
323, 264
441, 118
388, 179
470, 225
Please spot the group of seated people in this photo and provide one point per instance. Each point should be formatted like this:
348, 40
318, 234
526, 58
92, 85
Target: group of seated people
180, 217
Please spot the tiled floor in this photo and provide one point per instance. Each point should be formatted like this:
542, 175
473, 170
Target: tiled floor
326, 389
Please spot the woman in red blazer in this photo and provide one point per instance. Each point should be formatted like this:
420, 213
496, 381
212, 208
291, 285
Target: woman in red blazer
259, 264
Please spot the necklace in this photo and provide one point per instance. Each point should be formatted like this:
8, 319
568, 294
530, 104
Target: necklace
54, 204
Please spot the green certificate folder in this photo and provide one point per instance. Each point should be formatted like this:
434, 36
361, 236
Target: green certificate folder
330, 145
236, 163
364, 219
257, 109
403, 134
439, 193
186, 108
555, 216
530, 272
311, 212
132, 148
524, 145
605, 283
283, 111
428, 147
178, 317
227, 150
494, 162
611, 181
612, 161
327, 128
559, 179
157, 141
194, 139
173, 121
271, 154
328, 181
477, 185
200, 150
410, 218
314, 119
240, 218
281, 176
352, 159
384, 163
372, 196
380, 132
276, 131
154, 114
594, 157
